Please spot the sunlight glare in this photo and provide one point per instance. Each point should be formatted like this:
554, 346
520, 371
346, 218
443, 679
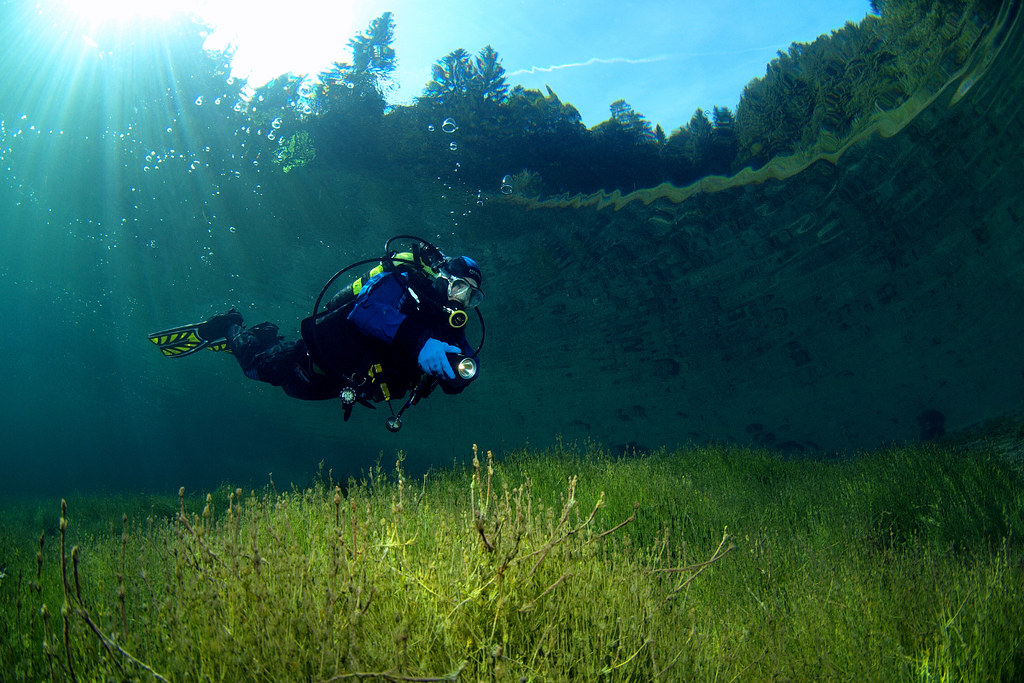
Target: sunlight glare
97, 12
266, 42
304, 41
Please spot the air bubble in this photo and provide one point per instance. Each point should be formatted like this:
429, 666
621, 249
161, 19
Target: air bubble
430, 128
276, 123
453, 145
199, 101
448, 126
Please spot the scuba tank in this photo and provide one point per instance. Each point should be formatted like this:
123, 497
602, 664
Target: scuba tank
420, 258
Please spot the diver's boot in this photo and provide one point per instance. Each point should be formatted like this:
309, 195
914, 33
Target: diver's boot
219, 326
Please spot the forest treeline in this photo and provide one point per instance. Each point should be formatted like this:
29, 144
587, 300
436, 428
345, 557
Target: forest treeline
813, 95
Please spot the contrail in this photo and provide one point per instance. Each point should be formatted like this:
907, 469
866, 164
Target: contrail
592, 60
626, 60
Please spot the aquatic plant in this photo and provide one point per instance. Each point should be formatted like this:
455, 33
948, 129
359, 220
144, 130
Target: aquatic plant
566, 564
295, 152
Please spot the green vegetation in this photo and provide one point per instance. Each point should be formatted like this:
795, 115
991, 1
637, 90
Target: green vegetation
816, 94
813, 97
709, 563
295, 152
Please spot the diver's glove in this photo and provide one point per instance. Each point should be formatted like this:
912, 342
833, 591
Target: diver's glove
434, 360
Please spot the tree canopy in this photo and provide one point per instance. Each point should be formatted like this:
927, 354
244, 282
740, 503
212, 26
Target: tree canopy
812, 95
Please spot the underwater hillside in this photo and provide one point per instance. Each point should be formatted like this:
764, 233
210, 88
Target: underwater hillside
750, 402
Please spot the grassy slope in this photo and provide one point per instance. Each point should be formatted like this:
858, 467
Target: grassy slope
900, 564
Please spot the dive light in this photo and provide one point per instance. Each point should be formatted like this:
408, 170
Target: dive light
465, 369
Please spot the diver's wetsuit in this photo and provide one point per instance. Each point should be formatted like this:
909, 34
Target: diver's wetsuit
371, 344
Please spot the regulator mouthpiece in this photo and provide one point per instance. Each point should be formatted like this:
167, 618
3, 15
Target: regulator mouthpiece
457, 318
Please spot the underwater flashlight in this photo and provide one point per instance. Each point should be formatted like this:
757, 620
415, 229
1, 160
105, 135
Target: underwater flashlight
465, 367
465, 370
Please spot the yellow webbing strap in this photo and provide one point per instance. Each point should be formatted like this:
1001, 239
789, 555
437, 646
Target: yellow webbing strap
372, 373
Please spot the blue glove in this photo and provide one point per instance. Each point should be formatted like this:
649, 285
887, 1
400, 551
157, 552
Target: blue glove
433, 359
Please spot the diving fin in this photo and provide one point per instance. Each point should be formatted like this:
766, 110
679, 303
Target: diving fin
185, 340
188, 339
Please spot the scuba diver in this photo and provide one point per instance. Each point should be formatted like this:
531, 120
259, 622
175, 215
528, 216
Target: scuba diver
397, 329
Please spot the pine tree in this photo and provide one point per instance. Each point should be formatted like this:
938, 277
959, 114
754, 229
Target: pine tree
450, 78
489, 77
373, 57
631, 122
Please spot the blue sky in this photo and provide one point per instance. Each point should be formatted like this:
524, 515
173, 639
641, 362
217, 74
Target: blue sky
665, 58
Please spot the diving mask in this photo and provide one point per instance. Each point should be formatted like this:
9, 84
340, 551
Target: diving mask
463, 291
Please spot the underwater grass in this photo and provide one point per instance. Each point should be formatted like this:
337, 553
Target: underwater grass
714, 563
